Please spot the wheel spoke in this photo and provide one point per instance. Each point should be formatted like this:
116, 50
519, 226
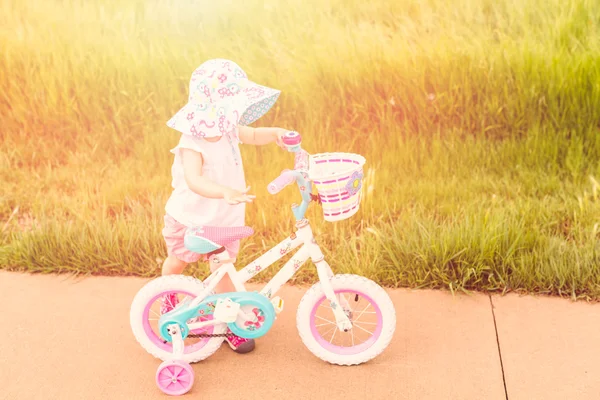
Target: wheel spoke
331, 322
361, 328
325, 334
155, 313
357, 311
165, 374
332, 336
165, 381
362, 312
169, 302
177, 372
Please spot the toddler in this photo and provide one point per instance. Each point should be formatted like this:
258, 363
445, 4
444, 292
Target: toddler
209, 187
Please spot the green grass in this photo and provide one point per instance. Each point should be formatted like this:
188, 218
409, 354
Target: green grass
480, 121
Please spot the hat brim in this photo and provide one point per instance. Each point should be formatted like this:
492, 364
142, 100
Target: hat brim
214, 119
259, 100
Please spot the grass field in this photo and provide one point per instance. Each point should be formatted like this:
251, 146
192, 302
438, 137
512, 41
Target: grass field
480, 121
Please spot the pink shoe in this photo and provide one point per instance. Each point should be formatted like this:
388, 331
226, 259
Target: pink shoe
169, 302
240, 345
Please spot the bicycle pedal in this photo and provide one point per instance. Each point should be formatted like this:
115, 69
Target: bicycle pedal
277, 303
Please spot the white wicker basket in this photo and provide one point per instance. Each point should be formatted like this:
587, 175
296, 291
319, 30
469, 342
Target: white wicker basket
338, 179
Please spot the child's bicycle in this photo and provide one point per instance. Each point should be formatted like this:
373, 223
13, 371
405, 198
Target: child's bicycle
343, 319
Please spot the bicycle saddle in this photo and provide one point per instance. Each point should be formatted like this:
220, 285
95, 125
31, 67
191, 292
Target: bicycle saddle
206, 239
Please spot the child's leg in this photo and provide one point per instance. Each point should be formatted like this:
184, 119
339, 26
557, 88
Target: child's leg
178, 258
178, 255
173, 265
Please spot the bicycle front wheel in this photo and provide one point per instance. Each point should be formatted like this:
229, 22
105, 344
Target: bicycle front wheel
370, 310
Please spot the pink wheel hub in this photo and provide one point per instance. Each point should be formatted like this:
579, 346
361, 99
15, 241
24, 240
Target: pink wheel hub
175, 377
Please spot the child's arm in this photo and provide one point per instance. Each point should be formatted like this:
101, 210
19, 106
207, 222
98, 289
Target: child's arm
192, 170
260, 136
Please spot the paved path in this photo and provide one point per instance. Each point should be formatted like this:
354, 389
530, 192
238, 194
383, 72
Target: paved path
69, 338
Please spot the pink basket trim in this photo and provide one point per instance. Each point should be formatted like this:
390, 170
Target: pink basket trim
333, 193
336, 160
341, 212
333, 198
330, 182
336, 200
337, 207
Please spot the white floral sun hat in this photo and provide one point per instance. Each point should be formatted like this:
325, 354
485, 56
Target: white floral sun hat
221, 97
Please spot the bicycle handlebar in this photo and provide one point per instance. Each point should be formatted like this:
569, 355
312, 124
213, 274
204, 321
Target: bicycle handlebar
286, 178
299, 174
292, 141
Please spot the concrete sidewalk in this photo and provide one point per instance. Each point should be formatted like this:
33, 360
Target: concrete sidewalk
69, 338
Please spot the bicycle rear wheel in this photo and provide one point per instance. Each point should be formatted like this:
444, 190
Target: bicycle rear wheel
145, 311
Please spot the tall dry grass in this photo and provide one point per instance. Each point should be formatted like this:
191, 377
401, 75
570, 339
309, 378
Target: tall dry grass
479, 121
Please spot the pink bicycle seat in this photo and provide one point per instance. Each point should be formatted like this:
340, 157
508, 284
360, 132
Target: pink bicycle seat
223, 236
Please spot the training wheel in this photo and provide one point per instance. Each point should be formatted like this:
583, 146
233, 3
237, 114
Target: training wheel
175, 377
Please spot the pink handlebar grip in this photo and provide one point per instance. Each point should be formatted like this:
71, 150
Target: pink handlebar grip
286, 178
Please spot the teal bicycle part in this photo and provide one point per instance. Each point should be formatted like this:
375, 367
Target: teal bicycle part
199, 244
263, 310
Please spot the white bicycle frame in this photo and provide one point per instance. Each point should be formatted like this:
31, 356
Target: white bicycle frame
309, 248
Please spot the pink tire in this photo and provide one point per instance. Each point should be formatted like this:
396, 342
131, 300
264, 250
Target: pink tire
175, 377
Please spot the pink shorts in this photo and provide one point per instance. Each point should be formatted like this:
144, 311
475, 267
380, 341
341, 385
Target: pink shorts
174, 231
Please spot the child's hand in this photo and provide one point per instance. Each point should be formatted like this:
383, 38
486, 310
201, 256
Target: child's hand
279, 138
234, 197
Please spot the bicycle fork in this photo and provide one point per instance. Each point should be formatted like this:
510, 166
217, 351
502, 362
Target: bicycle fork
341, 318
325, 274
